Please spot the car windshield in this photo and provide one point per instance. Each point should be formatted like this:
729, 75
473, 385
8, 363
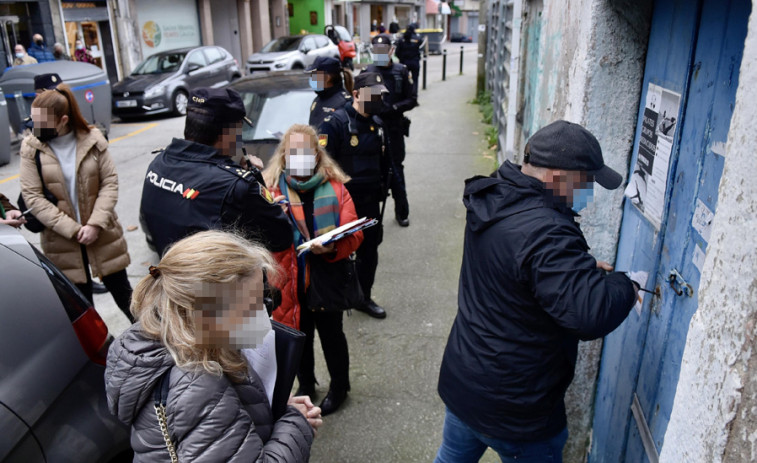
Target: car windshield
158, 64
344, 36
272, 114
282, 44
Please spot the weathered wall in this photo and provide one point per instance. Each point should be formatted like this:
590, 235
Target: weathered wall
719, 366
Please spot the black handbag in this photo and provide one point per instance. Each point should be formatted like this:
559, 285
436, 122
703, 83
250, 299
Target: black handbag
32, 223
334, 286
289, 346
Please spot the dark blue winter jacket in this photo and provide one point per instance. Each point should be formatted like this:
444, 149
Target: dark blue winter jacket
40, 53
529, 290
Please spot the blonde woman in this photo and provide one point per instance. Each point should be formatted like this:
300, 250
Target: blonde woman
70, 159
311, 187
195, 311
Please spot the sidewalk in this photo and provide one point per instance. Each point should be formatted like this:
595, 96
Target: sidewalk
393, 413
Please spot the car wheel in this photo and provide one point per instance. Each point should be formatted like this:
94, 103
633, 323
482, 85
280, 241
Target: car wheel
298, 66
179, 101
235, 77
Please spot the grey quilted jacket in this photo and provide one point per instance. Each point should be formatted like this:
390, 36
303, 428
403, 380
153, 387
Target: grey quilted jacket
210, 418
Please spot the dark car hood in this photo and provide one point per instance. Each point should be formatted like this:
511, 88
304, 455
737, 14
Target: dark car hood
138, 83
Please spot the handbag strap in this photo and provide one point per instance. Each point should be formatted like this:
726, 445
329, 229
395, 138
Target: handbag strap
45, 192
160, 397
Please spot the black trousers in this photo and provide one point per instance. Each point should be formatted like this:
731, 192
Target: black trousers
414, 68
117, 283
333, 343
396, 146
367, 254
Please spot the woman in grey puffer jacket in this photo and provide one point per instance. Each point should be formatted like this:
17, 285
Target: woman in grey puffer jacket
217, 408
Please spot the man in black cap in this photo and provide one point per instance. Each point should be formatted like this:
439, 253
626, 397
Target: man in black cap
401, 98
332, 86
354, 137
197, 183
529, 290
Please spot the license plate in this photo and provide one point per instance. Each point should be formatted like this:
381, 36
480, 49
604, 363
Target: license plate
126, 104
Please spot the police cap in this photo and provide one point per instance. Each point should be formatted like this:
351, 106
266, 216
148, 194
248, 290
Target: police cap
327, 64
370, 79
223, 105
381, 39
46, 81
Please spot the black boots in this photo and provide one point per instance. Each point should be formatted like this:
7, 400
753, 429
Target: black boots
372, 309
334, 399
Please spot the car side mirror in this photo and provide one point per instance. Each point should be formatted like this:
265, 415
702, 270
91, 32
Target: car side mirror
192, 67
305, 50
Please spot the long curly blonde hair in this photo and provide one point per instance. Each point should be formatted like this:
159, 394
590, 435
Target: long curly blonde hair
324, 164
164, 304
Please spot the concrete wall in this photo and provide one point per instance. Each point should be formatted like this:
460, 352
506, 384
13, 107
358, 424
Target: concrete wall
583, 60
719, 366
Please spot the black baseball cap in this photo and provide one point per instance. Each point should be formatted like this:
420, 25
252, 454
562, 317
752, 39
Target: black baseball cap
224, 105
381, 39
568, 146
47, 81
327, 64
370, 79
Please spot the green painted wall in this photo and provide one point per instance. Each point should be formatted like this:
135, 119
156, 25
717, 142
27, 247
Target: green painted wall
301, 16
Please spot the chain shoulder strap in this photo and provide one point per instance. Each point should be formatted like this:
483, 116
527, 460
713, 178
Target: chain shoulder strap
160, 396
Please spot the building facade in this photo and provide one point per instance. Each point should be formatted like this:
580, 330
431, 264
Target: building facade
666, 86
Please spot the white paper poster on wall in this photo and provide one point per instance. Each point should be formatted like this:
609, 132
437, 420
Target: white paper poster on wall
648, 184
165, 25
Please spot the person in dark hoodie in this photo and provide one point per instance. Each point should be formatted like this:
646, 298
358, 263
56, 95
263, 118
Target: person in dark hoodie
529, 291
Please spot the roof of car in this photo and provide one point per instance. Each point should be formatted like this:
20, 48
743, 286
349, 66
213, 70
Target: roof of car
280, 81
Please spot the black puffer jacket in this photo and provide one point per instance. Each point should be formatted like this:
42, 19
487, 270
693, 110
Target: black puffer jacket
210, 418
529, 290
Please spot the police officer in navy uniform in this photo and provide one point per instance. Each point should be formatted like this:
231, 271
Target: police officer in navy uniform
332, 85
402, 97
197, 184
408, 51
354, 137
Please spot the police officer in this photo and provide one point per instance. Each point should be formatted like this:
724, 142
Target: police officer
402, 97
196, 184
353, 136
332, 86
409, 53
42, 82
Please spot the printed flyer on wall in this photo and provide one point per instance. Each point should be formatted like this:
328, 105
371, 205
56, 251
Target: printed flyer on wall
648, 184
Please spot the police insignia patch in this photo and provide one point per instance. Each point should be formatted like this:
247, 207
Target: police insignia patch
312, 106
323, 140
354, 140
266, 194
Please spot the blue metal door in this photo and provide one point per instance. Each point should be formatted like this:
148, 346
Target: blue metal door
694, 52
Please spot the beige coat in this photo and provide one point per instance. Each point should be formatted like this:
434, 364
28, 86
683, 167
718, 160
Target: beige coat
97, 185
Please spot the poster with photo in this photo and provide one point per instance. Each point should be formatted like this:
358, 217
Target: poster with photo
648, 184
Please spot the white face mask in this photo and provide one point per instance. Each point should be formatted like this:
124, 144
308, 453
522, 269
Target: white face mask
19, 55
380, 59
251, 332
301, 164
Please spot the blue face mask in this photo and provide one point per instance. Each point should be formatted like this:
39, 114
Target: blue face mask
315, 85
581, 198
380, 59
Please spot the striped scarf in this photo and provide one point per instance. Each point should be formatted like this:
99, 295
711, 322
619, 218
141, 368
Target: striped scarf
325, 205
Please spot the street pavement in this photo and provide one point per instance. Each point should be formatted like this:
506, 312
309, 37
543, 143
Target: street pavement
392, 413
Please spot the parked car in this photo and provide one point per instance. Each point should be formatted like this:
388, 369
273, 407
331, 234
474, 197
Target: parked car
460, 37
53, 346
274, 101
292, 52
162, 82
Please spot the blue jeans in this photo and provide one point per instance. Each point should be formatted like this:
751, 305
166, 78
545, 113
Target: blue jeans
462, 444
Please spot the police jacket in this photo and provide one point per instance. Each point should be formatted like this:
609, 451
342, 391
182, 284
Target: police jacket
529, 290
357, 144
326, 102
401, 97
408, 50
190, 187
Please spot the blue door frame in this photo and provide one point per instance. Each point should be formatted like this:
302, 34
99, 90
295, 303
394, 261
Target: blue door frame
694, 50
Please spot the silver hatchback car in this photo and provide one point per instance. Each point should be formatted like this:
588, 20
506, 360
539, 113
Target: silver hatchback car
53, 346
292, 52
